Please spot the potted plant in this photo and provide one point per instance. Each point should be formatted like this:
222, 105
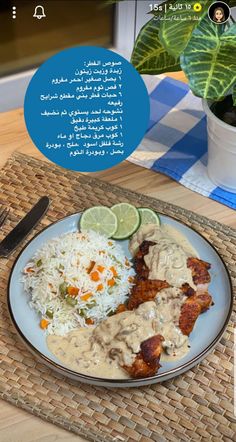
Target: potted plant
186, 39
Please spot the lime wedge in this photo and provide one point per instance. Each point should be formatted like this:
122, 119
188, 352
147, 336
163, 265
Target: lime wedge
100, 219
128, 220
148, 216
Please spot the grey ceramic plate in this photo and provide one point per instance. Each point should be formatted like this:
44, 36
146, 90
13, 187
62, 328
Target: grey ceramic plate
207, 331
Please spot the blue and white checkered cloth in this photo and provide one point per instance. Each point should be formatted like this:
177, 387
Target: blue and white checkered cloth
176, 140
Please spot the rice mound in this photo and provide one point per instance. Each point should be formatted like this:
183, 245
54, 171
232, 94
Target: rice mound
88, 264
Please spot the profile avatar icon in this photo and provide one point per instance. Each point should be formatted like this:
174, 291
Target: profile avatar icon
219, 12
219, 15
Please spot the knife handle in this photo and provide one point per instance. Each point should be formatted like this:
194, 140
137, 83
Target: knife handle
24, 227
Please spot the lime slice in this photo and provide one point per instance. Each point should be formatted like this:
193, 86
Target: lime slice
128, 220
100, 219
148, 216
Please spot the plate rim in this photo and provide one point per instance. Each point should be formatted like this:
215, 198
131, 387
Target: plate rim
158, 377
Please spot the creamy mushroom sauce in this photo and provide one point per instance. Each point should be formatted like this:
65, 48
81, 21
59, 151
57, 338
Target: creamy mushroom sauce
167, 260
101, 351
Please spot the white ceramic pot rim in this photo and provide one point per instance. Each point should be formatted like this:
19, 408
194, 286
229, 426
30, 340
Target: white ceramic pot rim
210, 114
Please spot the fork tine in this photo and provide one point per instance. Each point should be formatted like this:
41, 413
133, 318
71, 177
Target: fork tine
2, 212
3, 216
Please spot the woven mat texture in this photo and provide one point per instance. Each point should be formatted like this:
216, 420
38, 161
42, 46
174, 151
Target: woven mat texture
195, 406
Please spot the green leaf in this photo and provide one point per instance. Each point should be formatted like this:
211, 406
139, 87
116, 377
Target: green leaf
209, 60
231, 3
149, 56
177, 26
234, 95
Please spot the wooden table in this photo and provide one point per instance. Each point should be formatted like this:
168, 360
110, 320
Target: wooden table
15, 424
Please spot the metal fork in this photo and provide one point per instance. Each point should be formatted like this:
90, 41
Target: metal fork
3, 216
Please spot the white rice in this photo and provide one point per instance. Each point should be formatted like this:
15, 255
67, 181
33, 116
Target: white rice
66, 259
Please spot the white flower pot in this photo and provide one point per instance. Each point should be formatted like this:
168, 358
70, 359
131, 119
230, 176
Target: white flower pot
221, 151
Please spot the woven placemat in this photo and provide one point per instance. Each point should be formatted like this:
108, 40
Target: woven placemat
195, 406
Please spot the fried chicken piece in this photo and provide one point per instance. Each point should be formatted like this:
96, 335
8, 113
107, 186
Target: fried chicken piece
121, 308
198, 301
146, 362
189, 313
204, 300
199, 269
141, 269
140, 266
191, 309
187, 290
144, 247
145, 290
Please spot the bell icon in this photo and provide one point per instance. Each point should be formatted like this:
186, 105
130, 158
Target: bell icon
39, 12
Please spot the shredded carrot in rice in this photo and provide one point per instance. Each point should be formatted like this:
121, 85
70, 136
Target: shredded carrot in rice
114, 272
100, 287
95, 276
91, 266
72, 291
86, 297
44, 324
